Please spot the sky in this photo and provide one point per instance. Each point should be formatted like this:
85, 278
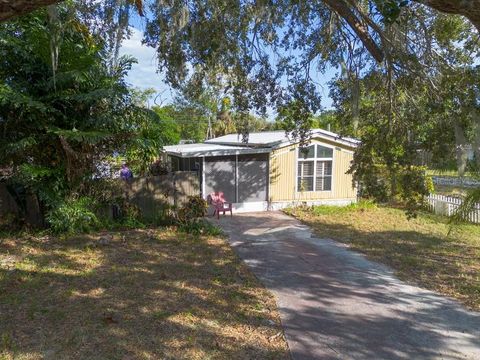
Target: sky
144, 74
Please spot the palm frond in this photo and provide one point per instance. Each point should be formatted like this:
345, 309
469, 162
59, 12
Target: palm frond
470, 203
20, 145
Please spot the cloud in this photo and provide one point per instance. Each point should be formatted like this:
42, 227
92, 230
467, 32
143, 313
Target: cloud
144, 74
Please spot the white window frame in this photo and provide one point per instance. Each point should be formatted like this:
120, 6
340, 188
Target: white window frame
314, 159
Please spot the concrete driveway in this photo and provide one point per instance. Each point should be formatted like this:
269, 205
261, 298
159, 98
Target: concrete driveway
336, 304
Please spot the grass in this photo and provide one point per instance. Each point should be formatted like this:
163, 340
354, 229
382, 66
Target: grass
419, 250
145, 294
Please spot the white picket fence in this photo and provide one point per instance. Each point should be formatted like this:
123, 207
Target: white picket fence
447, 205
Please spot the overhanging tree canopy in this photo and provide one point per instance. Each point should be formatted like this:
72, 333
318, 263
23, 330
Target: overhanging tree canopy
347, 9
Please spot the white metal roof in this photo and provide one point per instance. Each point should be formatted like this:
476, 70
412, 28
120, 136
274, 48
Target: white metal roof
258, 142
279, 138
204, 149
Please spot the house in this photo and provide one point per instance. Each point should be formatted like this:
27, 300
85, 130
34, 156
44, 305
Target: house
271, 171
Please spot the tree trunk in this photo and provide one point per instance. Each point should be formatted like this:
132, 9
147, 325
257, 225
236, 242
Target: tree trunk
8, 205
355, 104
54, 25
461, 149
476, 143
33, 216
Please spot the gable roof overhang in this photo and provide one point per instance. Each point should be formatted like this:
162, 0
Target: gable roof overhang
259, 142
203, 149
278, 139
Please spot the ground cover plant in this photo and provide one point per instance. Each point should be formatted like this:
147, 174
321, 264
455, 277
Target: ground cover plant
419, 250
138, 294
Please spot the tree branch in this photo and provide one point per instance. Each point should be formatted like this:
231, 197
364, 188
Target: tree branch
13, 8
345, 11
469, 9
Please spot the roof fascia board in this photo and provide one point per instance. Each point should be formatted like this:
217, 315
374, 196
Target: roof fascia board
278, 144
323, 136
272, 144
218, 152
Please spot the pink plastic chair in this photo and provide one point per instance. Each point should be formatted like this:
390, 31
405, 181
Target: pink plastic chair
217, 200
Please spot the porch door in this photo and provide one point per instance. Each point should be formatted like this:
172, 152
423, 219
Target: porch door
252, 177
220, 176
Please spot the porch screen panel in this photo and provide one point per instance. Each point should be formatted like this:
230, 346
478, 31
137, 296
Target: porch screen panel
252, 177
220, 176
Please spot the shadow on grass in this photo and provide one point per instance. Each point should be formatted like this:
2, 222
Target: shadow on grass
449, 264
335, 303
145, 294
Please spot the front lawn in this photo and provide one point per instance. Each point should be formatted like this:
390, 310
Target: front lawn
419, 249
144, 294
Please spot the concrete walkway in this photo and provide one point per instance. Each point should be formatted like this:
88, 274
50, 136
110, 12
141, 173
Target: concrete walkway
335, 304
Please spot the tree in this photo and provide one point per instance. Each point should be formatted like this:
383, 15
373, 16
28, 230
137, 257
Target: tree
436, 114
170, 129
234, 43
347, 9
61, 116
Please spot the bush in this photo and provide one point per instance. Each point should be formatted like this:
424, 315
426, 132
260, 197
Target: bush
362, 205
9, 222
107, 191
201, 227
408, 185
318, 210
189, 218
195, 208
430, 186
73, 216
132, 216
165, 215
374, 183
158, 168
414, 188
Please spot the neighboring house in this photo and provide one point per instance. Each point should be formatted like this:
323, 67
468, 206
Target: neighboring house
271, 171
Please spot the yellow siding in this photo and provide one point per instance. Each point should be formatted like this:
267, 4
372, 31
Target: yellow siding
283, 164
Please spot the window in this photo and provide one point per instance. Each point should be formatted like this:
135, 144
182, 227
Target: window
305, 175
314, 171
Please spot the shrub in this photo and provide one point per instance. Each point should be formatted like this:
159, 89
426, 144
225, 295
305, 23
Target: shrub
201, 227
73, 216
362, 205
158, 168
107, 191
414, 187
374, 182
131, 216
318, 210
195, 208
9, 222
165, 215
430, 186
